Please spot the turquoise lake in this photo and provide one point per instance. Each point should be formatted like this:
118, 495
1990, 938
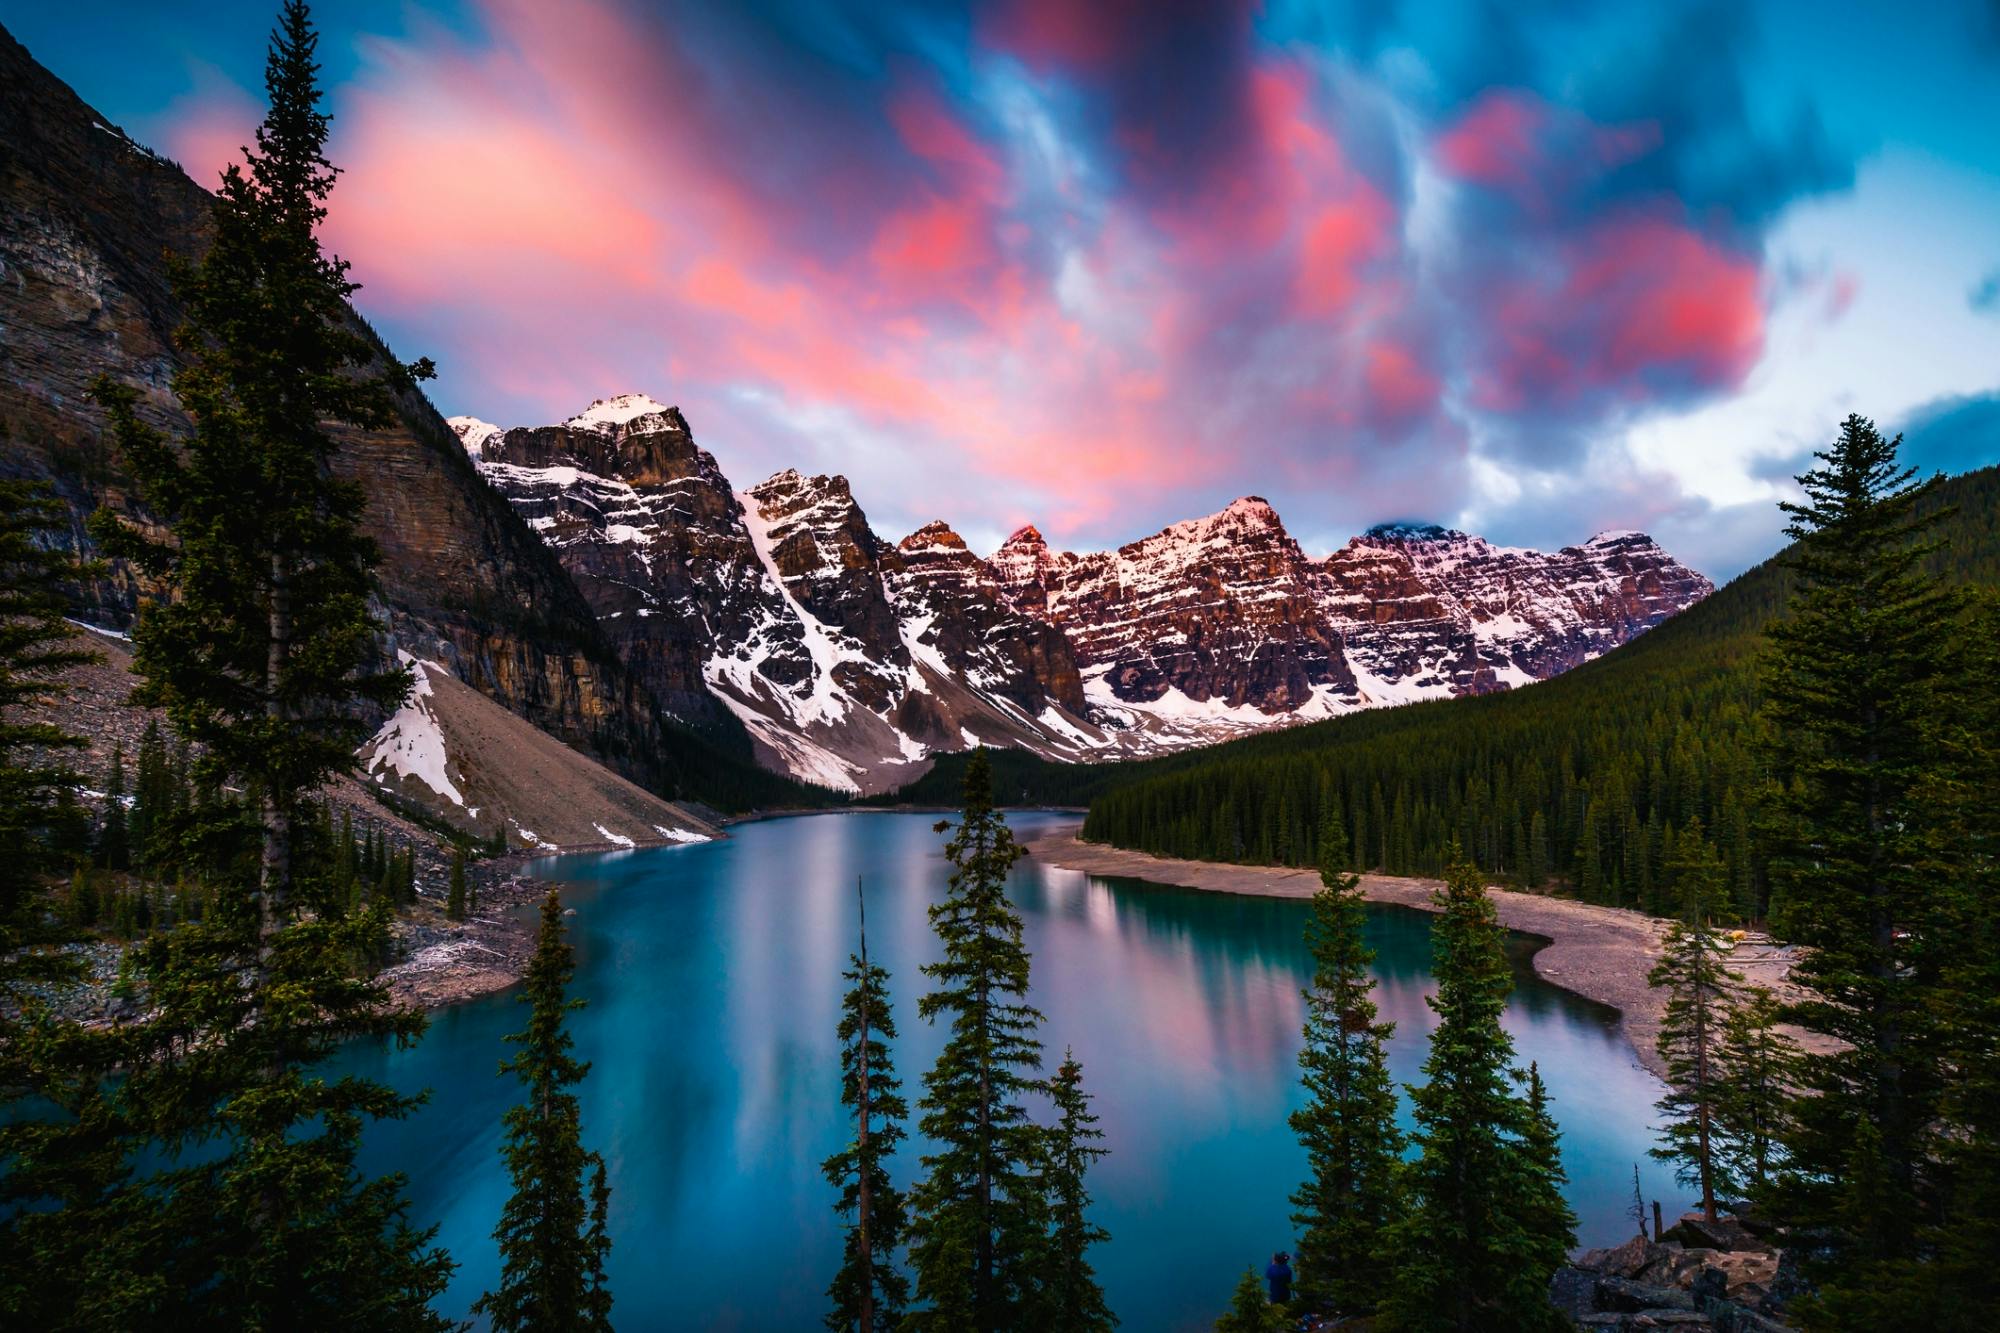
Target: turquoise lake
713, 975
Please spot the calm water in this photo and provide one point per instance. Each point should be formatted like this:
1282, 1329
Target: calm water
713, 975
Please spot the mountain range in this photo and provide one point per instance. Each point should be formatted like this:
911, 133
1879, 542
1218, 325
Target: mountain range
603, 579
851, 659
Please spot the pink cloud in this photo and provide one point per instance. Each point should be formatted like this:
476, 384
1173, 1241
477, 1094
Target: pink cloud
575, 204
1513, 142
1632, 305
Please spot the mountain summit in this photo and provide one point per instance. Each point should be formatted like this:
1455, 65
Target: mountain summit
851, 659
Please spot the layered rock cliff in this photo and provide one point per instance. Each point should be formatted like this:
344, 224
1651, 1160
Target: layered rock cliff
851, 660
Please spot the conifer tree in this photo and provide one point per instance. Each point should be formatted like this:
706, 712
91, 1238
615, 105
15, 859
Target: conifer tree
1249, 1312
1348, 1124
1962, 1287
257, 649
1756, 1065
1700, 990
454, 903
1858, 681
264, 642
978, 1215
114, 848
150, 795
1072, 1299
553, 1239
1545, 1214
36, 642
870, 1291
1478, 1241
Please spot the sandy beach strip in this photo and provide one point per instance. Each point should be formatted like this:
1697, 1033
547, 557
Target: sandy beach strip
1600, 953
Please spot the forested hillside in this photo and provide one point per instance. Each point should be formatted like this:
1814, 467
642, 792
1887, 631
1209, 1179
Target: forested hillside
1584, 779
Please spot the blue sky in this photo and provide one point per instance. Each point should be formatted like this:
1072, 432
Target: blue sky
1531, 270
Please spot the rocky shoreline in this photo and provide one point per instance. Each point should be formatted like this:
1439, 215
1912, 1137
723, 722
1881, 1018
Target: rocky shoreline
1600, 953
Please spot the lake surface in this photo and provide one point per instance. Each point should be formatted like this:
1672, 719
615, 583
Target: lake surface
713, 978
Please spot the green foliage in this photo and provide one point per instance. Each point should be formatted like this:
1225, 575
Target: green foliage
256, 648
1859, 679
869, 1292
1544, 1214
1756, 1067
1249, 1312
1071, 1299
1485, 1226
1607, 758
38, 816
1965, 855
1348, 1124
114, 846
552, 1242
1700, 992
978, 1213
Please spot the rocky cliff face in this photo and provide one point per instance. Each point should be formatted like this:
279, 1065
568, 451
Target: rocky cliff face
967, 621
1426, 611
87, 219
850, 660
1214, 611
1224, 620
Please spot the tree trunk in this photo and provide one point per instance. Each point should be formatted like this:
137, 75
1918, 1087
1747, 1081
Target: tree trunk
861, 1161
274, 883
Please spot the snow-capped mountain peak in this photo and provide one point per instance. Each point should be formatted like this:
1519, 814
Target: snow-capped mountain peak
619, 410
849, 660
472, 433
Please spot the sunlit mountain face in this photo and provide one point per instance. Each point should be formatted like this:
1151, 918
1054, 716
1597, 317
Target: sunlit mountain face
1527, 271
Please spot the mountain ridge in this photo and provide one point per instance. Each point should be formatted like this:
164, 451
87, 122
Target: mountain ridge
852, 659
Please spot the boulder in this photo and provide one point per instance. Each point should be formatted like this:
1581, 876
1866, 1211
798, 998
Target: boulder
1624, 1294
1573, 1291
1725, 1233
1626, 1260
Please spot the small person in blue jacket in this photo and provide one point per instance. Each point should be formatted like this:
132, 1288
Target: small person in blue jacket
1278, 1277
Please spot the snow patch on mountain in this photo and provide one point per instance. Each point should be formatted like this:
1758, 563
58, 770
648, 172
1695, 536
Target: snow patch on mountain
472, 433
411, 743
619, 410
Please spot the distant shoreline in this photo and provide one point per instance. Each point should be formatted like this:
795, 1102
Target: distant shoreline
784, 812
1600, 953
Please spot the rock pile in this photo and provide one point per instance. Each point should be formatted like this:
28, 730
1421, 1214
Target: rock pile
1702, 1277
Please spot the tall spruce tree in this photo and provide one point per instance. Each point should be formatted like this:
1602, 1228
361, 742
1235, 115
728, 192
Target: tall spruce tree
1546, 1216
262, 644
257, 649
1480, 1238
978, 1215
552, 1234
1072, 1300
114, 844
1693, 970
1858, 681
1964, 1287
1348, 1124
870, 1291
